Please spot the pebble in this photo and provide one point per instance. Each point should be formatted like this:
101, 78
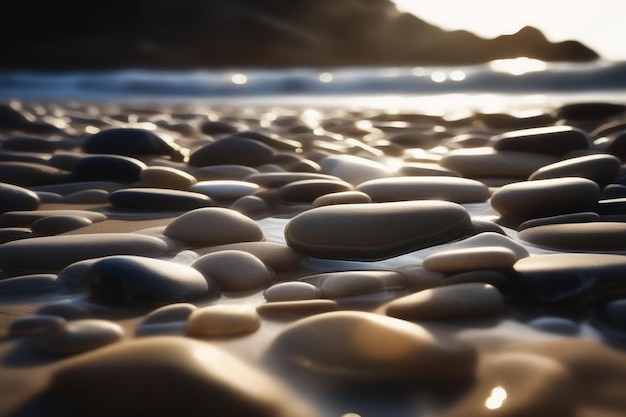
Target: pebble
36, 145
542, 198
583, 217
448, 302
601, 168
467, 259
292, 291
9, 234
558, 325
350, 283
458, 190
306, 191
354, 169
213, 226
251, 205
115, 168
223, 172
223, 320
132, 142
235, 270
200, 377
55, 225
141, 280
296, 308
376, 231
159, 199
342, 197
28, 285
79, 336
550, 140
279, 179
29, 174
486, 162
235, 150
169, 313
166, 177
13, 198
225, 189
93, 196
277, 256
553, 278
34, 324
367, 348
27, 218
53, 253
589, 236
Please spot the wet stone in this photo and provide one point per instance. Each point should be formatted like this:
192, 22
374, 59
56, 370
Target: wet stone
27, 218
600, 168
36, 144
166, 177
279, 179
557, 325
131, 142
306, 191
343, 197
465, 259
223, 172
251, 205
114, 168
425, 169
141, 280
458, 190
28, 174
169, 313
447, 302
53, 253
376, 231
35, 324
223, 320
292, 291
296, 308
225, 189
543, 198
25, 285
232, 150
550, 140
354, 169
200, 377
485, 162
159, 199
235, 270
362, 348
80, 336
558, 277
584, 217
94, 196
350, 283
54, 225
9, 234
213, 226
13, 198
277, 256
590, 236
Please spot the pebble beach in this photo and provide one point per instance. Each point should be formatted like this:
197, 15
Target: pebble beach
161, 259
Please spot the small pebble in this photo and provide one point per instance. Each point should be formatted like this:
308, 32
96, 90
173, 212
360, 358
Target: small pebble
235, 270
80, 336
223, 320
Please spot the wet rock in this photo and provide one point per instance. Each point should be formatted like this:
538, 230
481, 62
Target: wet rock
589, 236
235, 270
80, 336
343, 197
54, 225
166, 177
225, 189
13, 198
292, 291
306, 191
35, 324
486, 162
550, 140
350, 283
159, 199
601, 168
114, 168
132, 142
232, 150
223, 320
465, 259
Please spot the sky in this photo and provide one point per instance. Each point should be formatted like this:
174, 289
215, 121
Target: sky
599, 24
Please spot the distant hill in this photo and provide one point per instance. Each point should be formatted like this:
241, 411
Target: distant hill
180, 34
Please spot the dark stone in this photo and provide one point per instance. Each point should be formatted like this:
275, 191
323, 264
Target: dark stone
159, 199
114, 168
34, 144
14, 198
590, 110
27, 174
131, 142
306, 191
232, 150
551, 140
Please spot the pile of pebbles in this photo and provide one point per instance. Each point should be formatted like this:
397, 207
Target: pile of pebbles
171, 259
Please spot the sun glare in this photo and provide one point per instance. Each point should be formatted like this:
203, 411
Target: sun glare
239, 79
517, 66
496, 399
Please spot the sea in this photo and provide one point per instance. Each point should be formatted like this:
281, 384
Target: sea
521, 82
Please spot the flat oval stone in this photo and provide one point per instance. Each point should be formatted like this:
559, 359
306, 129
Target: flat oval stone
376, 231
486, 162
360, 347
277, 256
223, 320
159, 199
223, 172
550, 140
601, 168
542, 198
458, 190
27, 218
413, 169
35, 324
467, 259
558, 277
225, 189
251, 205
354, 169
14, 197
200, 377
24, 285
292, 291
590, 236
170, 312
583, 217
342, 197
9, 234
94, 196
166, 177
278, 179
213, 226
35, 144
53, 253
115, 168
296, 308
235, 270
55, 225
232, 150
80, 336
28, 174
490, 239
306, 191
131, 142
139, 280
557, 325
448, 302
349, 283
